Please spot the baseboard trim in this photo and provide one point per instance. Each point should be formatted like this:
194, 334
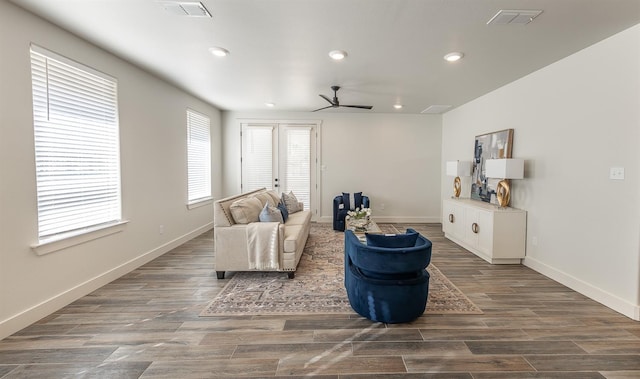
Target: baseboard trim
395, 219
23, 319
603, 297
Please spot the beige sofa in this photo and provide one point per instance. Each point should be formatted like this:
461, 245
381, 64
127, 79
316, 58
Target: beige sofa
243, 243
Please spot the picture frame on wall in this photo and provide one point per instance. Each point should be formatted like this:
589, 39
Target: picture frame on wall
495, 145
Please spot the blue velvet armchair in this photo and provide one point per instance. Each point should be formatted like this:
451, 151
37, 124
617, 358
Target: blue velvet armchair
342, 204
387, 284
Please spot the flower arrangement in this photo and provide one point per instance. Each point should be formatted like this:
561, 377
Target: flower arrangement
359, 213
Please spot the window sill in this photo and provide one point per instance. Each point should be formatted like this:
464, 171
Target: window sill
72, 239
200, 203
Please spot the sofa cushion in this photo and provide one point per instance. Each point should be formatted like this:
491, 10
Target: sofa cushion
274, 196
298, 218
265, 198
246, 210
392, 240
291, 202
270, 214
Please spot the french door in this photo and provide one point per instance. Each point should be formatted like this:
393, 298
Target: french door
282, 157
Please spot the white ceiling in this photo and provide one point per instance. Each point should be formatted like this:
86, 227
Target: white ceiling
279, 48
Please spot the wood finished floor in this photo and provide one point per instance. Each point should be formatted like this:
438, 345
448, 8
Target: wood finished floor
146, 325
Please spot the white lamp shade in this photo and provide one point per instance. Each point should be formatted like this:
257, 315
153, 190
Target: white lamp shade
458, 168
504, 168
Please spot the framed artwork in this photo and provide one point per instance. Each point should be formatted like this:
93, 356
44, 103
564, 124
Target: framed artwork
488, 146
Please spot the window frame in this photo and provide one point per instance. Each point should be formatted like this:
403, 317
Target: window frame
58, 117
205, 167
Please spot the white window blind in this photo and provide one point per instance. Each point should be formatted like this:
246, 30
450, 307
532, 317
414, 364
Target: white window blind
75, 112
199, 157
257, 157
298, 163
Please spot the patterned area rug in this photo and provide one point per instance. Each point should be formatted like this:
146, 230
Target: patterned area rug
318, 286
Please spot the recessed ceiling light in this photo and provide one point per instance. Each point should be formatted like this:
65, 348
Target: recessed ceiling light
219, 51
398, 106
270, 105
338, 54
452, 57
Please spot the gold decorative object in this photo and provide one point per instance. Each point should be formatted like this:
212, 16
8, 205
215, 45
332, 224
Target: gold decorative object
504, 169
503, 193
458, 169
457, 186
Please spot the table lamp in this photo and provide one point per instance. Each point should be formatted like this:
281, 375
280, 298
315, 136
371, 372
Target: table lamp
458, 169
504, 169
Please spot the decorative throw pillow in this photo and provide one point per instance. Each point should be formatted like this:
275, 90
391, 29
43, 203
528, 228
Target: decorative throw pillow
346, 201
392, 240
352, 202
291, 202
246, 210
270, 214
284, 211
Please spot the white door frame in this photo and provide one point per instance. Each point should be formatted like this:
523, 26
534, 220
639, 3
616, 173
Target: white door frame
316, 159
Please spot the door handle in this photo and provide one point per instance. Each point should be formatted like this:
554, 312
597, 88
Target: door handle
475, 228
451, 218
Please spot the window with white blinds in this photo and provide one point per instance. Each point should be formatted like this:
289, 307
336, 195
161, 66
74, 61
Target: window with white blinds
75, 113
199, 157
298, 163
257, 157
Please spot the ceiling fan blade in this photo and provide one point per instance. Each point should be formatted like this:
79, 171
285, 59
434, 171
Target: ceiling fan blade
327, 99
319, 109
358, 106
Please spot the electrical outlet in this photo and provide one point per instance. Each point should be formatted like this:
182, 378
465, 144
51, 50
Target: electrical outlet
161, 229
382, 206
616, 173
534, 241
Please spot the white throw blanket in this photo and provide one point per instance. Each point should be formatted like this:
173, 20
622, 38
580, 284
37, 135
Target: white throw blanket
262, 241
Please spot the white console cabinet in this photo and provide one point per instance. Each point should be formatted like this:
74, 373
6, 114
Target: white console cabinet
497, 235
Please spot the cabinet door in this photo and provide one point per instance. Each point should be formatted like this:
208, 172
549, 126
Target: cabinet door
453, 219
471, 227
478, 229
485, 232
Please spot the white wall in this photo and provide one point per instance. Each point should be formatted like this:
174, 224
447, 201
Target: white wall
392, 158
153, 159
573, 121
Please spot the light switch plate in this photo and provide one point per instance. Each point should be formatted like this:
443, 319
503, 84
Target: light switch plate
616, 173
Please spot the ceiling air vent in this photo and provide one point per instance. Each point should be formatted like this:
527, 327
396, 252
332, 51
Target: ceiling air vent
436, 109
521, 17
186, 8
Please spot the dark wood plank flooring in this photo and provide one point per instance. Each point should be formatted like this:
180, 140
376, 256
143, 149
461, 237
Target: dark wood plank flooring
146, 325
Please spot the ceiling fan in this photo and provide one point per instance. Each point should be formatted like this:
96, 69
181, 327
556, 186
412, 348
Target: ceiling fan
335, 103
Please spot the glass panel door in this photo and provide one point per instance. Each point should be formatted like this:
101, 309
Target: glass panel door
281, 157
259, 157
295, 162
